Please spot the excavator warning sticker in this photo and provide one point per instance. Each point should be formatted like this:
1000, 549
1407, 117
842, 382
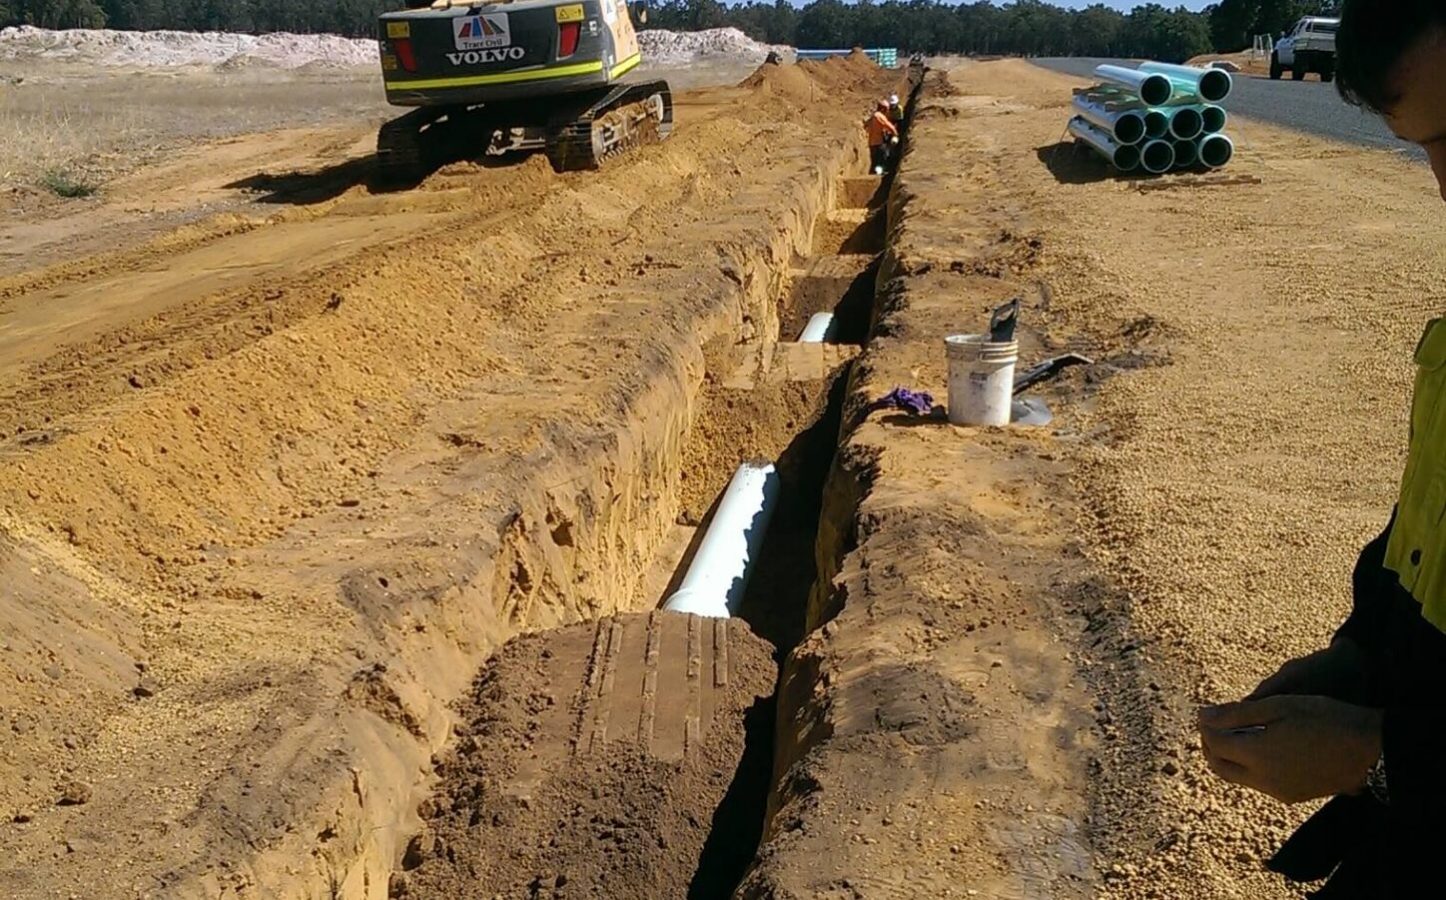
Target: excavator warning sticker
570, 13
399, 29
481, 31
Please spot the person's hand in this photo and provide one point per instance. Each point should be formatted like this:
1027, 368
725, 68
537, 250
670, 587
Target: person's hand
1294, 748
1337, 671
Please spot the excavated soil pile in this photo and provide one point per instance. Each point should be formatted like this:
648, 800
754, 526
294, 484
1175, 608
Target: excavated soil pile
592, 761
813, 81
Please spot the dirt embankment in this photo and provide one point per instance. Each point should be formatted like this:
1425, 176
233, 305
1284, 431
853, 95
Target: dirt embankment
1001, 696
1188, 521
290, 480
933, 737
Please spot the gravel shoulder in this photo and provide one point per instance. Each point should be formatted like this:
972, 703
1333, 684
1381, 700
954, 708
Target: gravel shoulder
1244, 442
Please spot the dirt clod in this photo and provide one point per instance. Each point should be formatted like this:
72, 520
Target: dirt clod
74, 793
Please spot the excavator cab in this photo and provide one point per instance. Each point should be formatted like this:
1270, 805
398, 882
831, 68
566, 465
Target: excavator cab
521, 74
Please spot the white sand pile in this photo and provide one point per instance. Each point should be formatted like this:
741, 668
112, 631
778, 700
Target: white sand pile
159, 49
153, 49
663, 47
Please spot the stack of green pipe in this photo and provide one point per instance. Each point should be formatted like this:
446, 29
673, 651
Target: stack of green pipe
1185, 115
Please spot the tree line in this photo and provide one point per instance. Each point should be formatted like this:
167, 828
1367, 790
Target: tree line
1021, 27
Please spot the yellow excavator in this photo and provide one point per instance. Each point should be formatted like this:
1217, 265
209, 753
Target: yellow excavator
497, 76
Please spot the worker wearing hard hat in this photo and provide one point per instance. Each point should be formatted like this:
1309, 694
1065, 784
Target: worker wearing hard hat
883, 135
896, 110
1364, 719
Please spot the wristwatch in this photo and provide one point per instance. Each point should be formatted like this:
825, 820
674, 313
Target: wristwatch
1376, 782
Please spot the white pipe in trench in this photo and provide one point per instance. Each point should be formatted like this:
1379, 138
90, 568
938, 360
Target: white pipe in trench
718, 575
818, 328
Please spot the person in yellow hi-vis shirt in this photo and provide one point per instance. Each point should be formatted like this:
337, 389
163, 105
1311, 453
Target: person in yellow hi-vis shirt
1364, 720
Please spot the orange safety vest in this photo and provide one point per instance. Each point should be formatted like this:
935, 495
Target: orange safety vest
878, 126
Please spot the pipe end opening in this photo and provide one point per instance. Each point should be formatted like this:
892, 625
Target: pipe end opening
1215, 85
1216, 151
1130, 128
1155, 90
1157, 124
1187, 124
1186, 154
1158, 157
1127, 158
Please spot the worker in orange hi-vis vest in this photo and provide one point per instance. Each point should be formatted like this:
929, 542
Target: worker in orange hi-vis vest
883, 134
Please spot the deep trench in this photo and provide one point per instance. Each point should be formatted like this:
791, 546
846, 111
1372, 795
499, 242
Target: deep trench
796, 423
838, 277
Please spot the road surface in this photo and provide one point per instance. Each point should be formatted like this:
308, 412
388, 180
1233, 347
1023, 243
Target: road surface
1309, 105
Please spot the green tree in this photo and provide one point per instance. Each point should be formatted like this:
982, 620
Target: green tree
1276, 16
1096, 31
1232, 24
60, 13
826, 24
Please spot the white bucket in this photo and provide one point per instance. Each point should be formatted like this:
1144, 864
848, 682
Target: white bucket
981, 379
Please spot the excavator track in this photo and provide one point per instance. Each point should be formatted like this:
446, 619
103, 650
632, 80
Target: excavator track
400, 151
583, 133
626, 117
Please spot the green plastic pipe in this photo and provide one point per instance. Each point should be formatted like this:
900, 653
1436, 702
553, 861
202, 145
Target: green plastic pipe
1214, 117
1208, 85
1125, 157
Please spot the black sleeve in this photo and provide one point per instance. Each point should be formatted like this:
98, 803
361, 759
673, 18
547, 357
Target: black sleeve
1371, 585
1413, 743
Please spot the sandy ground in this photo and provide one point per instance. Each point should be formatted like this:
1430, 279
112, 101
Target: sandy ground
283, 460
998, 691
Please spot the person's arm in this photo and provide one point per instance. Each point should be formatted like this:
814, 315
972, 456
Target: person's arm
1371, 582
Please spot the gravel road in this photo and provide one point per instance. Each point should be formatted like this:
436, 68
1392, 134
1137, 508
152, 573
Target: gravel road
1309, 105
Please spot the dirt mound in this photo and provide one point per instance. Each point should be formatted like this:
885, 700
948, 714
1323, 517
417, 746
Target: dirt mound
158, 49
855, 72
789, 82
812, 80
593, 759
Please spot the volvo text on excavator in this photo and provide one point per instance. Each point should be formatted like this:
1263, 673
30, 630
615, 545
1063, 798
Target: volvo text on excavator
496, 76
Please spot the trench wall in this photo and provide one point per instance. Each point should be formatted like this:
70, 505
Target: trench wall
561, 536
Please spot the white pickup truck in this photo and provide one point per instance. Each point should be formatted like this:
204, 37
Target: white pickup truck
1309, 47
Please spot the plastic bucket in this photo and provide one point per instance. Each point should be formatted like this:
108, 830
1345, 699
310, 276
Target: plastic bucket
981, 379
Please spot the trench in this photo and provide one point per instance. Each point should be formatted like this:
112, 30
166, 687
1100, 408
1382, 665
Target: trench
770, 398
837, 278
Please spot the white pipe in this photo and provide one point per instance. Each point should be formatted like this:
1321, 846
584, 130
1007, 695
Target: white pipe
1216, 150
1186, 122
1158, 157
1212, 85
1153, 88
1124, 157
1213, 117
818, 329
719, 572
1126, 126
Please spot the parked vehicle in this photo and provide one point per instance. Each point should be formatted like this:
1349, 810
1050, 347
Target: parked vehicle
1309, 47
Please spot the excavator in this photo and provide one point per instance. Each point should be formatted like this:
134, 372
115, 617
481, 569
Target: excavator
497, 76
